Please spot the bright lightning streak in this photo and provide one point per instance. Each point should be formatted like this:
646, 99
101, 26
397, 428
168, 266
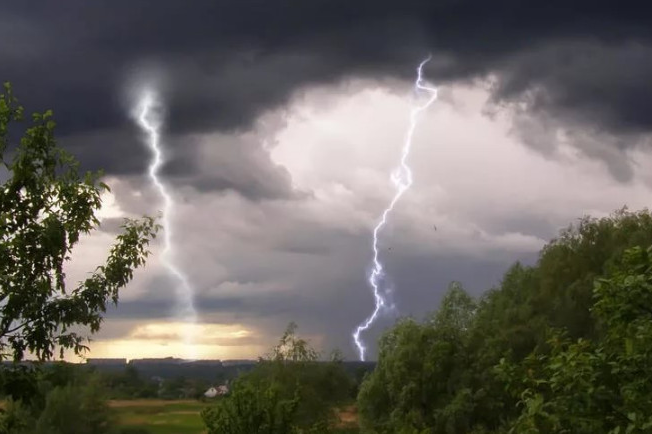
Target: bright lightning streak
402, 180
149, 119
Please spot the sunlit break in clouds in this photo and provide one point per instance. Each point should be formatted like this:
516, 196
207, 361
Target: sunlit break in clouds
149, 119
402, 180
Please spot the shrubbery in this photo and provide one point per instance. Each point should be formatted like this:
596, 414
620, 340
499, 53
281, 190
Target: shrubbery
287, 392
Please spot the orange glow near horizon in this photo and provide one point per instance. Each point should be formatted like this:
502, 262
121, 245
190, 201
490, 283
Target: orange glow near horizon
159, 340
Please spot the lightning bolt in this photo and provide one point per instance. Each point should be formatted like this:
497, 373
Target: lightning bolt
148, 116
402, 180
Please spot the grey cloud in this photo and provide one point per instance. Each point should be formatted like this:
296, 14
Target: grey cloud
221, 162
326, 293
121, 146
547, 132
597, 94
228, 62
335, 306
536, 225
601, 85
112, 225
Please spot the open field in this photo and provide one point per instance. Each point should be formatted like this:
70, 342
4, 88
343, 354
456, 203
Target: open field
182, 416
161, 417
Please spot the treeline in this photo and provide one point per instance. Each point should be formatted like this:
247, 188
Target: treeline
564, 346
210, 371
129, 383
288, 391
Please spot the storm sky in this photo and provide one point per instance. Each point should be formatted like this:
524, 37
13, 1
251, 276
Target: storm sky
284, 119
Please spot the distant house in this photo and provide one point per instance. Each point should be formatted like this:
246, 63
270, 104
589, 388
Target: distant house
215, 391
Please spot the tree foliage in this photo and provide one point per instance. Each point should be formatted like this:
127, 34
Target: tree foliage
560, 346
60, 398
45, 207
252, 410
602, 386
410, 389
289, 391
74, 409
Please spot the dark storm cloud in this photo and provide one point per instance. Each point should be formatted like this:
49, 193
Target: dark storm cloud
120, 147
606, 83
219, 162
225, 62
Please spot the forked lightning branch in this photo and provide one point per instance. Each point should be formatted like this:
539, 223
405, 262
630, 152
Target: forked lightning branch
149, 117
402, 180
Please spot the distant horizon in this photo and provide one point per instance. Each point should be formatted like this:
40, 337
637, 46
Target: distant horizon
157, 359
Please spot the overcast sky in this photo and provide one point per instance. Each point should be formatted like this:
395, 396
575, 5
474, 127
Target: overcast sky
284, 119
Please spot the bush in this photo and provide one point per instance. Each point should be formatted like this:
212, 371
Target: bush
75, 410
288, 392
16, 418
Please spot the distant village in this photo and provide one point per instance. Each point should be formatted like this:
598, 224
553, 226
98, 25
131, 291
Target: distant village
158, 369
175, 378
121, 362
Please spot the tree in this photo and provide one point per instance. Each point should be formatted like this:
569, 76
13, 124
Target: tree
291, 348
515, 320
129, 384
16, 419
412, 388
251, 410
569, 265
289, 391
75, 410
45, 206
63, 400
600, 386
542, 320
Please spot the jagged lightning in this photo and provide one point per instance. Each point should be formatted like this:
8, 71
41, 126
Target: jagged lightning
402, 180
149, 118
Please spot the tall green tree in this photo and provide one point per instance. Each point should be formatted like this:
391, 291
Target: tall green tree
74, 409
65, 399
569, 265
289, 391
46, 205
537, 314
412, 389
600, 386
252, 410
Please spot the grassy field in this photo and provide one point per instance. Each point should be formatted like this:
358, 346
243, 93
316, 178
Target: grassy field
161, 417
182, 417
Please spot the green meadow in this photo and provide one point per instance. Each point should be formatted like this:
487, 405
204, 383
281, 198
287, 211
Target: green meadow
160, 417
155, 416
